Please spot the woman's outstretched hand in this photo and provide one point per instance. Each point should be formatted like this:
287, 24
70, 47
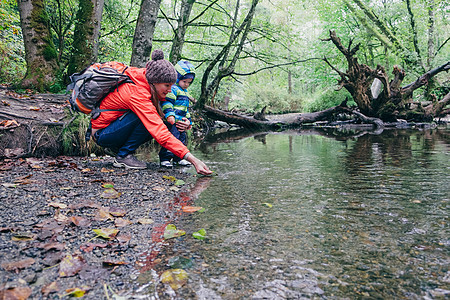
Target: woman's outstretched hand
200, 166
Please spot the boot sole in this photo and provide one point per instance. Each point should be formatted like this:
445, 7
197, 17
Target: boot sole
122, 165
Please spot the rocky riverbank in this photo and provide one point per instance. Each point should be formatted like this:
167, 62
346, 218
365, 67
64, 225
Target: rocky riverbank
77, 226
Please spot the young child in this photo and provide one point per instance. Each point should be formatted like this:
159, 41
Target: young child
175, 109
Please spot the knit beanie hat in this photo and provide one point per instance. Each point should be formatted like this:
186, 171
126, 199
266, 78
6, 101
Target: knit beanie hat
159, 70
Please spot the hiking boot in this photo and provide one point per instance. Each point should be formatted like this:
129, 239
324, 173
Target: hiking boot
183, 163
166, 164
129, 162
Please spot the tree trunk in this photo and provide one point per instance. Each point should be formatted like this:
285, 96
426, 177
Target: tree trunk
143, 35
431, 19
180, 32
87, 32
40, 52
393, 101
226, 65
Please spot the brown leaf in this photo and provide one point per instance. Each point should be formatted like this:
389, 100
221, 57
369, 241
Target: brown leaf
16, 265
121, 222
34, 108
16, 293
71, 265
123, 238
60, 217
105, 170
145, 221
117, 211
91, 246
57, 205
52, 245
191, 209
50, 288
103, 214
79, 221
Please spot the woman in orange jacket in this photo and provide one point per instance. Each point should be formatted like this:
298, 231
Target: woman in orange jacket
127, 130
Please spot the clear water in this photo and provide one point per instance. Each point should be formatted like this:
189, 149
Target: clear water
295, 215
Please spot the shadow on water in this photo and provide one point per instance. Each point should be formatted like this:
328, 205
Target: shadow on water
314, 213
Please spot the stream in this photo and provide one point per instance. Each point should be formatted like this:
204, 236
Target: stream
332, 215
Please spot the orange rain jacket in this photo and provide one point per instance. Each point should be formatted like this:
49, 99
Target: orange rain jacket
136, 97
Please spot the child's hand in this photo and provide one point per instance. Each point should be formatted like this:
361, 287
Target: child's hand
171, 119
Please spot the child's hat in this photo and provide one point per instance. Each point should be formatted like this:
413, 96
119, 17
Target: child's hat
184, 70
159, 70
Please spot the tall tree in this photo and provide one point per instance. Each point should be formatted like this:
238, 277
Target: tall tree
143, 35
87, 32
226, 59
40, 52
180, 31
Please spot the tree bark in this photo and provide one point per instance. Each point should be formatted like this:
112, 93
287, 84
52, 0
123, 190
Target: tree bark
143, 34
226, 66
392, 102
86, 36
180, 32
40, 52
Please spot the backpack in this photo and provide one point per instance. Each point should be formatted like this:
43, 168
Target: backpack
90, 86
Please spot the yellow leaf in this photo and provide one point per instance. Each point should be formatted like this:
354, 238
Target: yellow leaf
106, 233
176, 278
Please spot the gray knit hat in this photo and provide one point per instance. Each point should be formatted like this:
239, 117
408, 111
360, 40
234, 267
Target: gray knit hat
159, 70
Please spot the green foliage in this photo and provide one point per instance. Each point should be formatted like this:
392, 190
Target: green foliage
12, 53
326, 99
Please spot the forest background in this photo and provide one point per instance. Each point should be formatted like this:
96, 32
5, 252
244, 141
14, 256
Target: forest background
249, 54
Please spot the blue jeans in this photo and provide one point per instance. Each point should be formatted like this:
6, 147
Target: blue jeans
126, 133
165, 154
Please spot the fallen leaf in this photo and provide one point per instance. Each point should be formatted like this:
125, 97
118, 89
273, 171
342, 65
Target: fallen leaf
117, 211
110, 193
106, 233
200, 235
105, 170
79, 221
180, 182
34, 108
50, 288
52, 246
176, 278
77, 292
60, 217
268, 205
9, 185
121, 222
191, 209
113, 263
123, 238
9, 123
103, 214
145, 221
171, 231
179, 262
57, 205
71, 265
21, 293
108, 185
24, 236
17, 265
91, 246
159, 188
171, 178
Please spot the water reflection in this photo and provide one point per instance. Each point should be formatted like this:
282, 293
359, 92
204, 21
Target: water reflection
317, 214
